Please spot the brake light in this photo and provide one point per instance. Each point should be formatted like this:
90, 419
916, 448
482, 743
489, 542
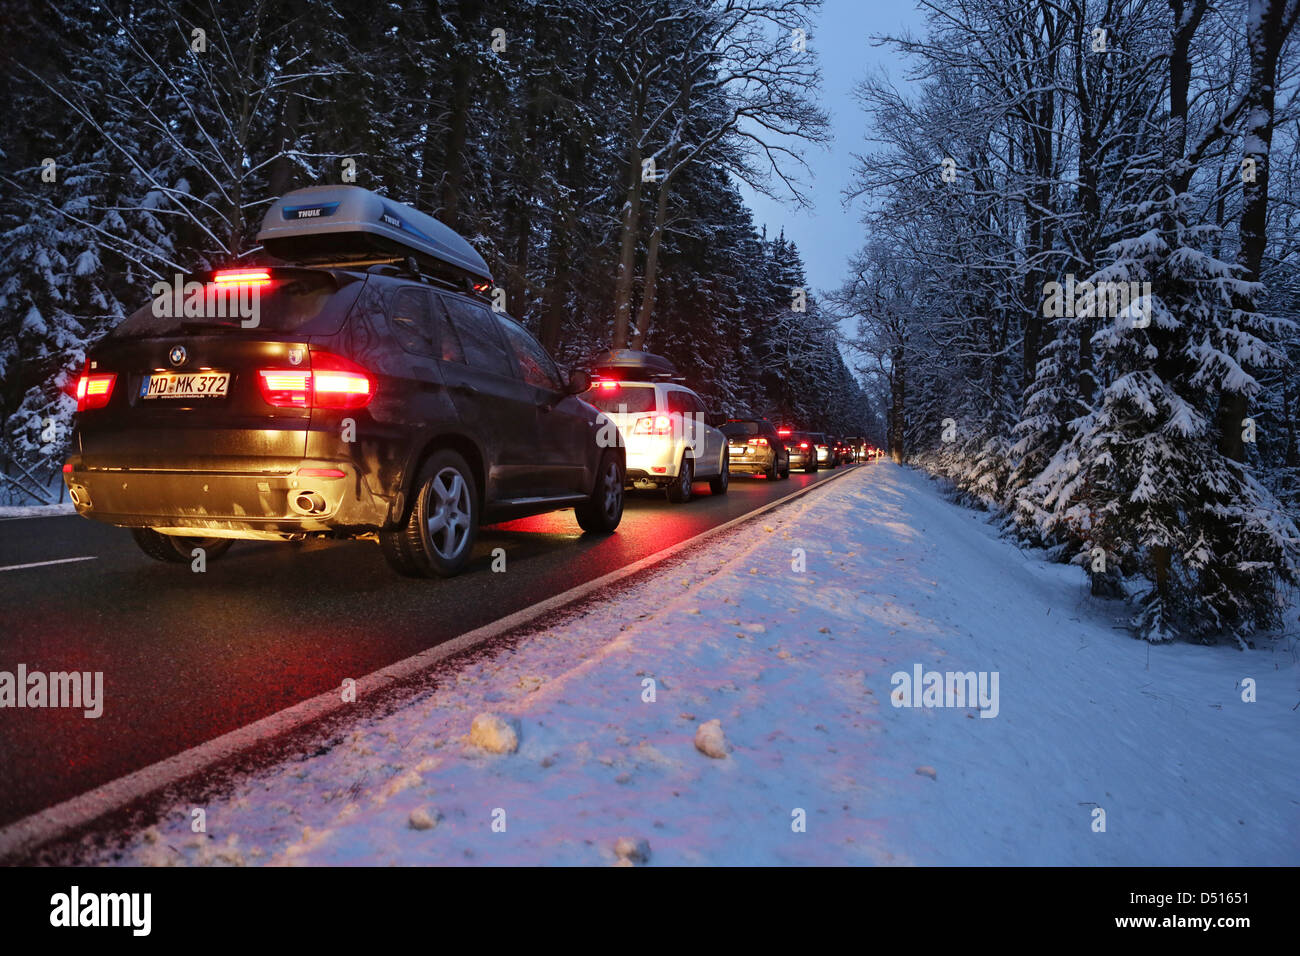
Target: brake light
285, 388
242, 277
332, 382
338, 383
656, 425
608, 386
67, 467
783, 432
758, 441
94, 391
803, 444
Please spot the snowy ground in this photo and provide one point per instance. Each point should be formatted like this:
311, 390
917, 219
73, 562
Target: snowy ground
36, 511
797, 668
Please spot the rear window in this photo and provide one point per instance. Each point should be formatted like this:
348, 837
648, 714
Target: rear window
292, 301
739, 429
617, 398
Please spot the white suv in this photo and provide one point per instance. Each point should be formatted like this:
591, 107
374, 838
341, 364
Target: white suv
671, 440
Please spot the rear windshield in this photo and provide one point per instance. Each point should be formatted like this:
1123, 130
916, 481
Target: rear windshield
292, 301
617, 398
740, 428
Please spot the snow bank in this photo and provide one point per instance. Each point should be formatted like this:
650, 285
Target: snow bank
1101, 749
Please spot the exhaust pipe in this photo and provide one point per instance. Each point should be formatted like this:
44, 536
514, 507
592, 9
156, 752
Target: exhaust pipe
79, 496
308, 503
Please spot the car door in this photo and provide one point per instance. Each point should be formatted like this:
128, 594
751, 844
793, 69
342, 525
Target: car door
706, 441
494, 403
564, 425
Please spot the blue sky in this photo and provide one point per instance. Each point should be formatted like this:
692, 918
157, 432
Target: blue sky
829, 233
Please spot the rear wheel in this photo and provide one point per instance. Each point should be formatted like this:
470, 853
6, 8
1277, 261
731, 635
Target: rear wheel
720, 484
681, 488
770, 473
178, 550
785, 469
601, 513
438, 537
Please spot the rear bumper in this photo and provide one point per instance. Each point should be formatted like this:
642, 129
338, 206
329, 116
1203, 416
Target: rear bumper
751, 464
261, 504
652, 459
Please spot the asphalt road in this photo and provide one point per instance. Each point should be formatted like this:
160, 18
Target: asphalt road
187, 657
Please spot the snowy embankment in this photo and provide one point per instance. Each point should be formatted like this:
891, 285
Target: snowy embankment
571, 762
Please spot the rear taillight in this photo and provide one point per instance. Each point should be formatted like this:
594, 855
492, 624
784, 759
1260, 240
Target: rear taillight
653, 425
94, 391
332, 382
338, 383
758, 441
803, 444
285, 388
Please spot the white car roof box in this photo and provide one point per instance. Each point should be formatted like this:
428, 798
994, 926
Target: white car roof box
632, 364
350, 225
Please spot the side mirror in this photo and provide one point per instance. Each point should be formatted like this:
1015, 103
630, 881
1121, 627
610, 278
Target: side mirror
579, 381
716, 419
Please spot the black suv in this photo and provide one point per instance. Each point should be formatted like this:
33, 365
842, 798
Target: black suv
368, 401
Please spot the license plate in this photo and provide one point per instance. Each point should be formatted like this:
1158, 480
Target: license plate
185, 385
738, 449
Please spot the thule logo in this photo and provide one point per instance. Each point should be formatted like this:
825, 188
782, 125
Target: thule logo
308, 213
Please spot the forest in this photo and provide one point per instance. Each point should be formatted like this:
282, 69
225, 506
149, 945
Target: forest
591, 151
1105, 146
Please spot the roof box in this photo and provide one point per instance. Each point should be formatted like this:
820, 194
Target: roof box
342, 225
632, 364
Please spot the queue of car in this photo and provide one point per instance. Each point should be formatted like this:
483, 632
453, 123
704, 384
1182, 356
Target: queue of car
366, 388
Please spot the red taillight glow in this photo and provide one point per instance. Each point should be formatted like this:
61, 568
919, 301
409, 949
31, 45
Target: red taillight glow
322, 473
285, 388
758, 441
332, 382
657, 425
608, 386
783, 432
94, 391
242, 277
803, 444
67, 467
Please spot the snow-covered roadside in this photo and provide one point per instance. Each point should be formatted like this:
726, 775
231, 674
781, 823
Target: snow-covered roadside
36, 511
797, 667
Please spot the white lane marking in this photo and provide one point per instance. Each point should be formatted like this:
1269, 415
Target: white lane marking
43, 564
49, 824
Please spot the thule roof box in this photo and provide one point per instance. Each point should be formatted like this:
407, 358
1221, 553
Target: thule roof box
626, 364
352, 226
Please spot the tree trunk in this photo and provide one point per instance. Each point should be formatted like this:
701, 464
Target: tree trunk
651, 268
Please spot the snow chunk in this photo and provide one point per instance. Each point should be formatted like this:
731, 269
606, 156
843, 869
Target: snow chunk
710, 740
632, 850
494, 734
422, 819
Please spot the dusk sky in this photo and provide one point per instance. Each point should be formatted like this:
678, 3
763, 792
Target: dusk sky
830, 232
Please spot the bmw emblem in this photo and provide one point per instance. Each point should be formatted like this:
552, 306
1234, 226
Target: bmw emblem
295, 356
178, 355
